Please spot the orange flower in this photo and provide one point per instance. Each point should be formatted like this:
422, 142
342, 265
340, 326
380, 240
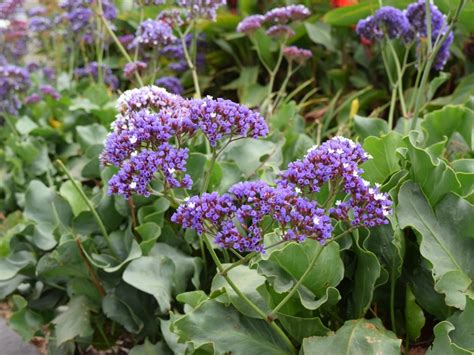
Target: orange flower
343, 3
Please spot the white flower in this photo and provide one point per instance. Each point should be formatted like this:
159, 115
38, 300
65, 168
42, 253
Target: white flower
134, 153
4, 24
213, 115
297, 190
339, 151
133, 184
379, 197
133, 139
316, 220
171, 170
338, 202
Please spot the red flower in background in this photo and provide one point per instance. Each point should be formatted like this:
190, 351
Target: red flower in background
343, 3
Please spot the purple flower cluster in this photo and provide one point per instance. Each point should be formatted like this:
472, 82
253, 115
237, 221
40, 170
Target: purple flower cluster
171, 17
80, 16
205, 9
277, 17
170, 83
220, 117
297, 54
92, 69
236, 218
13, 38
175, 52
150, 2
416, 14
8, 8
48, 90
338, 160
130, 69
39, 24
408, 25
149, 118
153, 33
13, 80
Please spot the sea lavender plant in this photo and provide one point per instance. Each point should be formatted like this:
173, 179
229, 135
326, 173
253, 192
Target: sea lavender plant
220, 117
283, 15
13, 81
170, 83
297, 54
250, 24
92, 70
48, 90
337, 161
236, 218
153, 33
201, 9
130, 69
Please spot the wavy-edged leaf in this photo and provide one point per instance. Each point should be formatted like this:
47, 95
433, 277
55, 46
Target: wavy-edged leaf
445, 239
359, 336
228, 331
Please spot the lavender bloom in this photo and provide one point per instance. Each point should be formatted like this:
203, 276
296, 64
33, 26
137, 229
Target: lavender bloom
368, 28
50, 91
32, 99
92, 69
151, 2
337, 160
219, 117
206, 9
250, 24
297, 54
149, 117
126, 40
171, 17
13, 39
280, 31
13, 80
39, 24
8, 8
175, 51
443, 53
393, 21
152, 33
283, 15
170, 83
236, 217
49, 73
416, 14
130, 69
37, 11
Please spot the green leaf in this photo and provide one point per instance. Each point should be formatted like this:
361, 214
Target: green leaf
149, 232
69, 192
443, 345
74, 321
120, 312
434, 176
414, 316
90, 135
366, 274
228, 331
320, 33
300, 328
15, 262
283, 119
443, 239
464, 327
247, 280
445, 122
26, 323
359, 336
369, 126
350, 15
464, 169
252, 154
165, 272
147, 348
318, 287
385, 160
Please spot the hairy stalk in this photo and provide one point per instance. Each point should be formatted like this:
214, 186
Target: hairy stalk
252, 305
94, 278
117, 41
88, 202
189, 61
429, 64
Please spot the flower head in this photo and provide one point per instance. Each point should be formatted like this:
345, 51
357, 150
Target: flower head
297, 54
283, 15
220, 117
206, 9
134, 67
250, 24
170, 83
13, 80
152, 33
48, 90
280, 31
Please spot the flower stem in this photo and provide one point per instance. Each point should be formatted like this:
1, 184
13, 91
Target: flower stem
117, 41
252, 305
189, 61
95, 279
87, 202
